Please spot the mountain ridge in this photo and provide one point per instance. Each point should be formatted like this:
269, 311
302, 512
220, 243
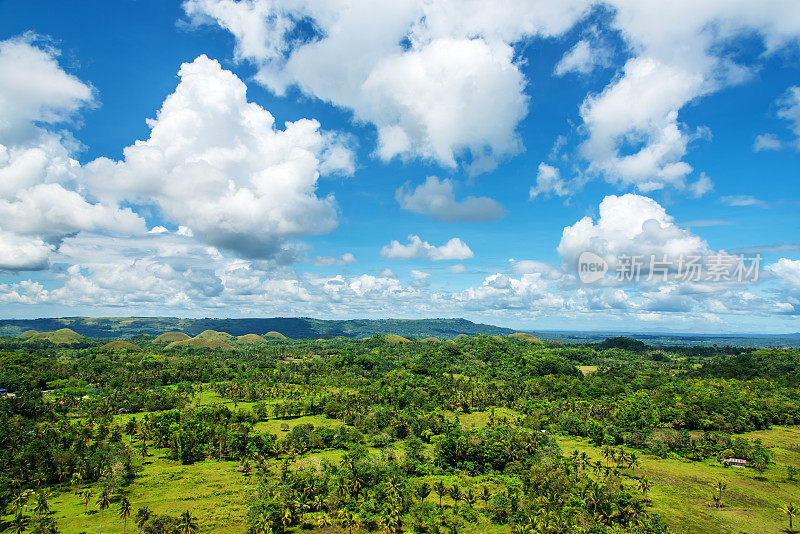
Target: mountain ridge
292, 327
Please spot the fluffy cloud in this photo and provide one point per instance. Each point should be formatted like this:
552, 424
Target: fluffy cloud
702, 186
216, 164
642, 106
420, 279
41, 194
436, 197
787, 274
172, 270
549, 182
632, 225
23, 253
406, 58
583, 58
672, 65
35, 89
766, 142
437, 79
499, 291
455, 249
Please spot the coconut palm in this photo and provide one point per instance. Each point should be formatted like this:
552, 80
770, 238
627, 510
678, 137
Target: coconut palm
485, 495
721, 486
633, 461
645, 486
19, 523
143, 515
790, 510
42, 506
470, 497
124, 512
455, 493
187, 523
324, 521
422, 491
347, 519
103, 502
86, 496
441, 491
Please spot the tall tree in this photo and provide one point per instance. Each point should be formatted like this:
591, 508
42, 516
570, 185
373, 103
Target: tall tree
103, 502
441, 490
124, 512
790, 510
86, 496
143, 515
187, 523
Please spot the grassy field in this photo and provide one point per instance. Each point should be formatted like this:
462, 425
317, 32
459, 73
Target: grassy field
682, 489
211, 490
215, 492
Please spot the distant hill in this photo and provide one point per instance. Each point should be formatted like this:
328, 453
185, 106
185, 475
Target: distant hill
61, 336
291, 327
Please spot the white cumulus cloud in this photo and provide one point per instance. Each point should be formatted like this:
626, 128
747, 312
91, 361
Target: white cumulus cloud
438, 80
437, 198
42, 198
217, 165
455, 249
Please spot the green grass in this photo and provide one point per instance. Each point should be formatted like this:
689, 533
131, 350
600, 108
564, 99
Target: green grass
171, 337
682, 489
213, 491
523, 336
274, 425
63, 336
481, 419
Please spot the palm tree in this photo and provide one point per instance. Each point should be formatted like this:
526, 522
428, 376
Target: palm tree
791, 511
608, 453
721, 485
470, 497
485, 495
124, 512
644, 486
86, 496
595, 497
19, 523
103, 502
347, 519
41, 507
422, 491
455, 493
143, 515
441, 491
584, 460
633, 461
187, 524
324, 520
597, 466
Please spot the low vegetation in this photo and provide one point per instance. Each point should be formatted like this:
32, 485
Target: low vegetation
260, 433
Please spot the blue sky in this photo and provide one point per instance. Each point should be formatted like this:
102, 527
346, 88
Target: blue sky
440, 160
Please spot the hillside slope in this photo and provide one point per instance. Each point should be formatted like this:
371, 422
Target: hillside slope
291, 327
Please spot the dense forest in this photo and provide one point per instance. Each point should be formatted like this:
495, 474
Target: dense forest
384, 420
293, 327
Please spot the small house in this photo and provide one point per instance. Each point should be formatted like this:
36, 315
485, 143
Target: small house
736, 462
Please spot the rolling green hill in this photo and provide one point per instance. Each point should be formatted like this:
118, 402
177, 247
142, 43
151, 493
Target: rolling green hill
291, 327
